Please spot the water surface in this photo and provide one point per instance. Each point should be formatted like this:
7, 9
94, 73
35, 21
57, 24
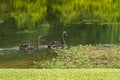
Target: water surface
12, 38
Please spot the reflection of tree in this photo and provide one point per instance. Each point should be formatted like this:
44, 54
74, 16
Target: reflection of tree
8, 28
30, 12
2, 12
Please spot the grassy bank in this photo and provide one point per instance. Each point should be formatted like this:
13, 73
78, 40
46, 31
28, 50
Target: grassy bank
59, 74
82, 56
87, 56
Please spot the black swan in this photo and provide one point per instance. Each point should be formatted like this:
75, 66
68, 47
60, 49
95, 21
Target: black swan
27, 47
56, 44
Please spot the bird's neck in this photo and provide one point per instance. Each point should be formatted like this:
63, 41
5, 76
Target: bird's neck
38, 44
63, 40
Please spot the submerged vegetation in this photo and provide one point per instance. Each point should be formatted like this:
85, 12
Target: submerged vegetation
82, 56
30, 13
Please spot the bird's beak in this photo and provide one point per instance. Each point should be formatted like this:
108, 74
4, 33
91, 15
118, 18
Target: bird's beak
42, 40
66, 34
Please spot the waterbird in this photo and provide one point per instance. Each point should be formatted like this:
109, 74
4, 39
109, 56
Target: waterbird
57, 44
28, 47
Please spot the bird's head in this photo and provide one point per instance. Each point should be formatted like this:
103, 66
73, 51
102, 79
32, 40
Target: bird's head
65, 33
41, 38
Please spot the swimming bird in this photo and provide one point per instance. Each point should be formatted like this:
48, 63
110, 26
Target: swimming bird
28, 47
57, 44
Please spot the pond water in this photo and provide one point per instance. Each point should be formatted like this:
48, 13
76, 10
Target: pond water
11, 38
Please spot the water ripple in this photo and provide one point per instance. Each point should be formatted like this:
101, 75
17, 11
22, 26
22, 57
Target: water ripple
17, 48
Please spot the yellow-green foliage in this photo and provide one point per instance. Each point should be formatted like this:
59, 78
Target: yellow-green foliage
28, 12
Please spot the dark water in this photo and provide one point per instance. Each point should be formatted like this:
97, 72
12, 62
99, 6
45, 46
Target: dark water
11, 38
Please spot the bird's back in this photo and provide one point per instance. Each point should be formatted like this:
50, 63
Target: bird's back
55, 44
26, 47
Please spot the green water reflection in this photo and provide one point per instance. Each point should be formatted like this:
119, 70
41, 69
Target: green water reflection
82, 34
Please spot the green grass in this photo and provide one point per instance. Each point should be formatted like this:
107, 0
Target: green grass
59, 74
